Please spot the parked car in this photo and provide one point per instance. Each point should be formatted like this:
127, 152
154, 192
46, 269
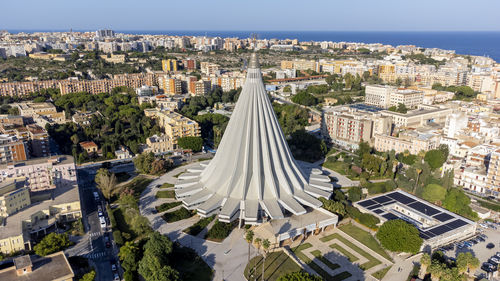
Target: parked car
116, 277
100, 214
490, 246
113, 267
488, 267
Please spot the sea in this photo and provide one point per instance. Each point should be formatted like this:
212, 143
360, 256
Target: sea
480, 43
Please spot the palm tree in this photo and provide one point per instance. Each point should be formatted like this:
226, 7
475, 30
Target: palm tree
436, 270
419, 171
249, 237
258, 242
265, 246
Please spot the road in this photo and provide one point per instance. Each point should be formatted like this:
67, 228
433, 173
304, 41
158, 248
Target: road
92, 245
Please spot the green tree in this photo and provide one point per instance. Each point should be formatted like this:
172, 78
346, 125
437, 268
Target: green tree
128, 256
425, 262
52, 243
399, 236
249, 238
193, 143
305, 98
106, 182
456, 201
89, 276
354, 193
265, 247
435, 158
299, 276
434, 193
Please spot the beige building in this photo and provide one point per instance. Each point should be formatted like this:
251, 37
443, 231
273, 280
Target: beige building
160, 144
174, 124
41, 112
112, 58
53, 267
412, 142
14, 196
209, 68
169, 85
422, 116
493, 175
387, 96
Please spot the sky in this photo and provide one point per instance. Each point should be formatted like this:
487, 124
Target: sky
247, 15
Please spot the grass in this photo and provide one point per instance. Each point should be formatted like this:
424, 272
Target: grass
122, 224
196, 228
337, 166
489, 205
324, 260
167, 185
365, 238
167, 206
276, 265
372, 261
190, 266
180, 214
381, 273
298, 252
176, 176
349, 255
165, 194
138, 185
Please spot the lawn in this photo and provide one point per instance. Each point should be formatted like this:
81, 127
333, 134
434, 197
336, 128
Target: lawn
372, 261
381, 273
196, 228
167, 185
298, 252
167, 206
324, 260
191, 267
337, 166
138, 184
276, 265
176, 176
178, 215
349, 255
165, 194
365, 238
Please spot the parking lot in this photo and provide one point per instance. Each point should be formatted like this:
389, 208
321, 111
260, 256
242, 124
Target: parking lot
479, 250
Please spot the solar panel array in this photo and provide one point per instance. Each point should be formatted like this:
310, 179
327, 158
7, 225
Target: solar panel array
448, 221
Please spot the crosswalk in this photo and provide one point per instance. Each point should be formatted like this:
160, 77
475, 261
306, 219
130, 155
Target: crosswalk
95, 234
95, 255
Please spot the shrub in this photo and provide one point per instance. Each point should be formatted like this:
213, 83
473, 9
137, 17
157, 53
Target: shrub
117, 236
193, 143
52, 243
177, 215
399, 236
167, 206
365, 219
219, 231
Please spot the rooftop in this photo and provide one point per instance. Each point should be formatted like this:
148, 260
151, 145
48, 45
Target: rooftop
48, 268
57, 160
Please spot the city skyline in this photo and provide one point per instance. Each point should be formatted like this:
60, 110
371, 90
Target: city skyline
386, 15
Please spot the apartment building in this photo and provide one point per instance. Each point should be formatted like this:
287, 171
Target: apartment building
42, 173
301, 65
12, 149
53, 267
174, 124
493, 175
169, 85
160, 144
38, 141
387, 96
169, 65
412, 142
200, 87
14, 196
209, 68
41, 112
422, 116
473, 178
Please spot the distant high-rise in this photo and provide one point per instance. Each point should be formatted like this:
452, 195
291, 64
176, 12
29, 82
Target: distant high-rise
102, 33
253, 175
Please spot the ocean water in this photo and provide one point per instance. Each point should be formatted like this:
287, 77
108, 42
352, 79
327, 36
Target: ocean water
481, 43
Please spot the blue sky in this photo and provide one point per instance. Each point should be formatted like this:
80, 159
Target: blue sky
335, 15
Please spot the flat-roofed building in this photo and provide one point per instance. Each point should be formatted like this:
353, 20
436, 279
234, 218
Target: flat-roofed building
14, 196
174, 124
160, 144
422, 116
53, 267
436, 225
493, 175
412, 142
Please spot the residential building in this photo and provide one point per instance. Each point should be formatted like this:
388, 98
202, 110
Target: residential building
209, 68
160, 144
413, 142
493, 175
422, 116
53, 267
169, 65
123, 153
387, 96
38, 141
41, 113
170, 85
174, 124
14, 196
89, 146
12, 149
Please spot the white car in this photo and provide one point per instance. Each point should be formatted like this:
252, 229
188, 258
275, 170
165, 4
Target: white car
103, 223
100, 214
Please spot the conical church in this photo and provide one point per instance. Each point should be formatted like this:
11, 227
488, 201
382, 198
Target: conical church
253, 176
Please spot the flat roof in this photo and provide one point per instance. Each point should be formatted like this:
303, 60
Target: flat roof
63, 159
13, 225
48, 268
446, 221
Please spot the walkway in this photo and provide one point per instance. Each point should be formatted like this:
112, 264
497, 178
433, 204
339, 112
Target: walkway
228, 258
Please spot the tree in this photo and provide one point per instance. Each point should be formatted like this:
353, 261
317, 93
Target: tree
425, 261
265, 246
456, 201
154, 264
333, 206
399, 236
52, 243
436, 270
193, 143
305, 98
434, 193
128, 256
435, 158
143, 162
106, 182
249, 237
354, 193
89, 276
299, 276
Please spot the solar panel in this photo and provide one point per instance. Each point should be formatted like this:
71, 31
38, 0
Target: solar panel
401, 198
382, 199
456, 224
443, 217
372, 207
390, 216
423, 208
440, 230
366, 203
424, 235
378, 211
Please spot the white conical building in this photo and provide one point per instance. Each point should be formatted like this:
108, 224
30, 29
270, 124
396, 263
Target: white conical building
253, 174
